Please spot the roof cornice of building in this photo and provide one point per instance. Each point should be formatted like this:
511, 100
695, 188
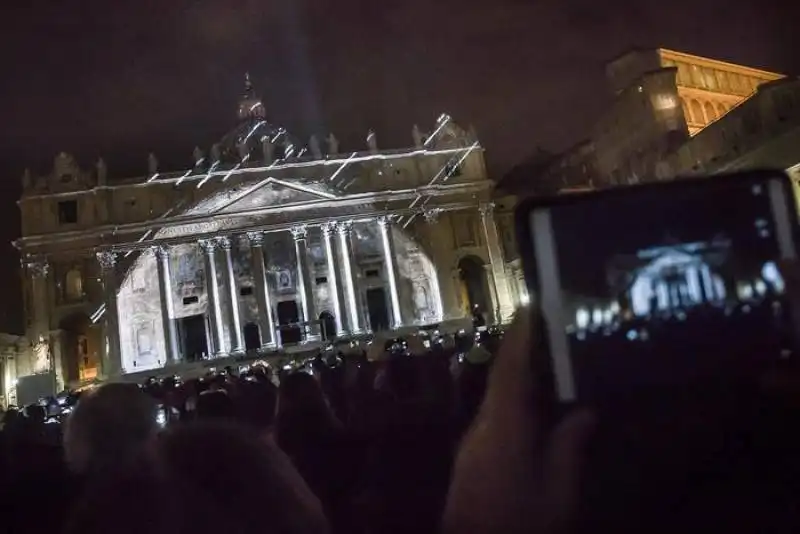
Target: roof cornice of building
675, 55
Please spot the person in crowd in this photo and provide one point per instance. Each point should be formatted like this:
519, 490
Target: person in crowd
215, 404
309, 432
201, 477
107, 426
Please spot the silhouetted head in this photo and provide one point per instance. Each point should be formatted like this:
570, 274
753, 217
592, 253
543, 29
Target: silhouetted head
202, 477
107, 426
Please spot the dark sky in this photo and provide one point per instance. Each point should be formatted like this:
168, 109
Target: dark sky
120, 79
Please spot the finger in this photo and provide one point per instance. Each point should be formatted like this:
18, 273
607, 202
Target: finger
564, 461
510, 381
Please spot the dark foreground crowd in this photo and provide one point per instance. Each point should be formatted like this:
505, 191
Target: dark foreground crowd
338, 440
452, 439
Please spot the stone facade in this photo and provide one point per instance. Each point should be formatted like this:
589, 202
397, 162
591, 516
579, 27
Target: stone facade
674, 114
260, 245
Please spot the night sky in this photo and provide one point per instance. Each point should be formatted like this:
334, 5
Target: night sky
121, 79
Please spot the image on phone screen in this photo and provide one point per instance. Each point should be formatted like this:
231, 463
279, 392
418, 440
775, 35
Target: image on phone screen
663, 286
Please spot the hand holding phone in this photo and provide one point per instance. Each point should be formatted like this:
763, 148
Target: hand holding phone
660, 285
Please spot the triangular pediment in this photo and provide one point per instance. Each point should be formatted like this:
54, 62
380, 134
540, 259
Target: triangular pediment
274, 192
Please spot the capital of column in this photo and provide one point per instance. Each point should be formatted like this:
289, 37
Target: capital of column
486, 208
39, 268
208, 245
223, 242
431, 215
344, 227
299, 232
107, 259
161, 251
384, 220
256, 239
328, 228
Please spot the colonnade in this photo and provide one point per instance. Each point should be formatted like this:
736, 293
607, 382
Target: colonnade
222, 289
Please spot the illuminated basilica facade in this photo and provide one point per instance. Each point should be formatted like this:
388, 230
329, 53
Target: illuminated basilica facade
263, 245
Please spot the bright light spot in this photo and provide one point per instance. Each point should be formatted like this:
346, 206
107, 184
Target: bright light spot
524, 299
582, 318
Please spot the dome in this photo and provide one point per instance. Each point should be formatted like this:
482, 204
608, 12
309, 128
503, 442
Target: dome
250, 106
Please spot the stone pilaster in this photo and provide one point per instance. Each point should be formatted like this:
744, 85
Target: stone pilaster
162, 254
335, 282
391, 268
112, 363
504, 308
232, 290
304, 288
349, 271
209, 248
266, 325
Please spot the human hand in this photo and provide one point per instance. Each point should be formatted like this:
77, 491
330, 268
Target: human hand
510, 473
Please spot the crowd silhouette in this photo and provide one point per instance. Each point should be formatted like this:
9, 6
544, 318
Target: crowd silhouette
450, 438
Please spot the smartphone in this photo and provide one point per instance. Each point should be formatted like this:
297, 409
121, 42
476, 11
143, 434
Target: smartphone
661, 284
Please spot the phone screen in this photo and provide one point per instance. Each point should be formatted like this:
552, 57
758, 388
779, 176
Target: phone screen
664, 285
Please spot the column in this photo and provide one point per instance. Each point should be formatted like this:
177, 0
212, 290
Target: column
237, 335
390, 266
349, 270
38, 269
504, 308
167, 305
112, 365
335, 282
212, 291
304, 287
265, 324
442, 255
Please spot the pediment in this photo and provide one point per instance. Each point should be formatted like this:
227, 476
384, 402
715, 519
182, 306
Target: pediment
275, 192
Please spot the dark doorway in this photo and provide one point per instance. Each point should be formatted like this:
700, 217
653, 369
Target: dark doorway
328, 325
252, 337
289, 314
377, 309
474, 288
192, 333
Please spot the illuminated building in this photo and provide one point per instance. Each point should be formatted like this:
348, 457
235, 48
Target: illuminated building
265, 243
675, 114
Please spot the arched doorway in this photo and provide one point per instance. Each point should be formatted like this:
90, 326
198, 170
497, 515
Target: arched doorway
252, 337
80, 349
328, 325
473, 285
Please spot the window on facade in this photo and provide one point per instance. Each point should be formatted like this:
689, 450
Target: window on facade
710, 79
246, 291
697, 112
697, 77
711, 113
687, 113
73, 284
722, 81
721, 110
684, 77
190, 300
68, 212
